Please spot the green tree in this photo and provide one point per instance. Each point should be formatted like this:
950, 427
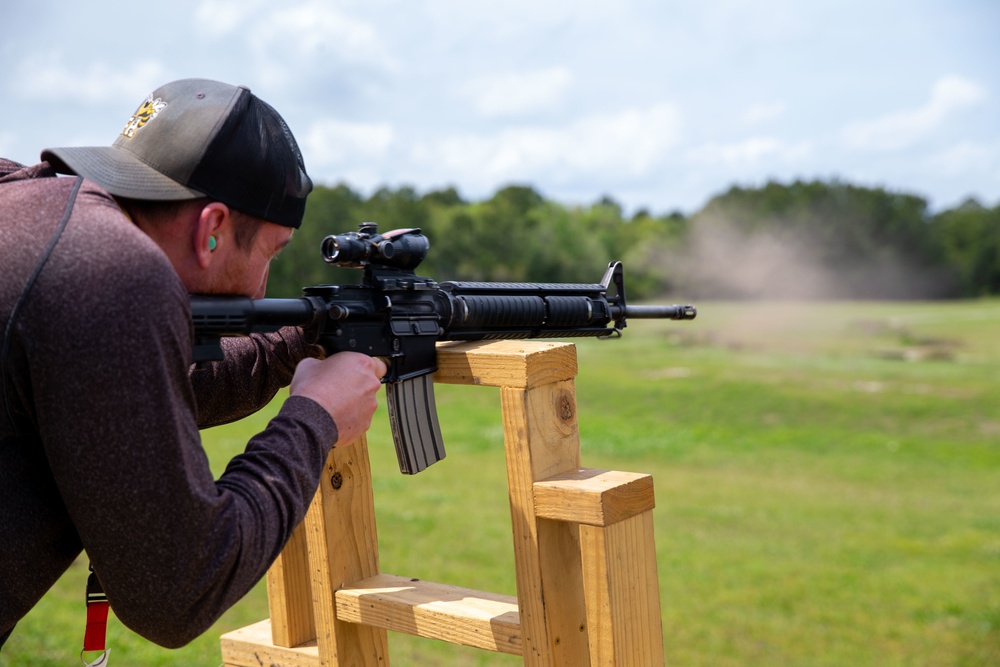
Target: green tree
969, 237
856, 242
328, 211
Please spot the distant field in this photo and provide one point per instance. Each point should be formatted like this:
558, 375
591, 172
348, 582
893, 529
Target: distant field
827, 481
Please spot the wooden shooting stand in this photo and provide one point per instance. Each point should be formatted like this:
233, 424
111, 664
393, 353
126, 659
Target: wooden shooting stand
587, 590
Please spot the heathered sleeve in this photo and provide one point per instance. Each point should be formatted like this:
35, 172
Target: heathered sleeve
254, 369
173, 547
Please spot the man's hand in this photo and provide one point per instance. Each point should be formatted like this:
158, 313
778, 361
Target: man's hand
346, 385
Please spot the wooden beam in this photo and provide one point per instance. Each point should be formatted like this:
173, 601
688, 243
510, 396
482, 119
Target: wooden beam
623, 594
506, 363
289, 593
439, 611
594, 497
251, 646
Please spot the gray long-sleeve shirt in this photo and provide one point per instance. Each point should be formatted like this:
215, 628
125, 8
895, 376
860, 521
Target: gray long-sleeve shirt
99, 419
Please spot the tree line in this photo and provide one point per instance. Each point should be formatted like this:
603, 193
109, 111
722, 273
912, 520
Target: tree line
795, 240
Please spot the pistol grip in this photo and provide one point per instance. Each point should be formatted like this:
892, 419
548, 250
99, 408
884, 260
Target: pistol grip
413, 418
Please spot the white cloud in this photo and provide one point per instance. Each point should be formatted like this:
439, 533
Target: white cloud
509, 19
517, 93
46, 77
895, 131
750, 151
965, 157
337, 143
627, 144
289, 40
762, 113
739, 70
215, 18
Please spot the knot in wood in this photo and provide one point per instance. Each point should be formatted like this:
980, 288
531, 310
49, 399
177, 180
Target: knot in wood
565, 407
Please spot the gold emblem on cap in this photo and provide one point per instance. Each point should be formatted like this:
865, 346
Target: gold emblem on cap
146, 112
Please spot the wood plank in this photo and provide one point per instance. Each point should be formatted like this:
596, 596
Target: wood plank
251, 646
564, 601
343, 549
505, 363
594, 497
438, 611
541, 440
623, 595
289, 593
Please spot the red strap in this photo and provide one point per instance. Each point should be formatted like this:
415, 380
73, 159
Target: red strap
97, 615
97, 626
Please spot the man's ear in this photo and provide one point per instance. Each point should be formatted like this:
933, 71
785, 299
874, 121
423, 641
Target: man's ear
211, 231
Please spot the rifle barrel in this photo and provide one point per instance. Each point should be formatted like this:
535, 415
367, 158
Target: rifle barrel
674, 312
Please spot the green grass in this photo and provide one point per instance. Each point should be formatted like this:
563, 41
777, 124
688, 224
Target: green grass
827, 482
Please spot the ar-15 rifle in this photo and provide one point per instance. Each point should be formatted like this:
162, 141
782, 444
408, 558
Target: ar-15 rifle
399, 316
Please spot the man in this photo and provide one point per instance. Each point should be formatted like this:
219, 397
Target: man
100, 409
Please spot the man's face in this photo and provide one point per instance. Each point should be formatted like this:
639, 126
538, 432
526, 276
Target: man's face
246, 270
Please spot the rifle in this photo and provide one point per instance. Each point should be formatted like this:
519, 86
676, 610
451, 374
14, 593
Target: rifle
399, 316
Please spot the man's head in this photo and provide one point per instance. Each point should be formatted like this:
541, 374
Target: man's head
198, 138
213, 159
214, 249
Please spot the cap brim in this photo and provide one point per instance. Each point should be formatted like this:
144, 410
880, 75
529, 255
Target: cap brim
117, 171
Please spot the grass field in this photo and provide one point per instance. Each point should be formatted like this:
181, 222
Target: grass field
827, 481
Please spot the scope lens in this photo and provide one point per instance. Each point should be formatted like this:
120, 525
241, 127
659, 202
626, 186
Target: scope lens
330, 249
345, 249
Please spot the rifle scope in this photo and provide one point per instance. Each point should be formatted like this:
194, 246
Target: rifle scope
399, 249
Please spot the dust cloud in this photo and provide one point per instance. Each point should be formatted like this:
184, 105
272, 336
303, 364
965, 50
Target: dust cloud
721, 260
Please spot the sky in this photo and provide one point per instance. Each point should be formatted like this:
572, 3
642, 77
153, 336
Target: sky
658, 104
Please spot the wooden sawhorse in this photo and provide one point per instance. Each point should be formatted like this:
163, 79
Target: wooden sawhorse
587, 588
